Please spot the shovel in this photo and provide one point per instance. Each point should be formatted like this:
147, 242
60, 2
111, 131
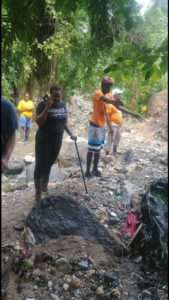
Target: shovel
81, 167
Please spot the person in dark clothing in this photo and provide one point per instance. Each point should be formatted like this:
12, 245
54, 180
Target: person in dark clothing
9, 125
51, 117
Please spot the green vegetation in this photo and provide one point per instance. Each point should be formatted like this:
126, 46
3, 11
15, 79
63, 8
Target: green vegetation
75, 43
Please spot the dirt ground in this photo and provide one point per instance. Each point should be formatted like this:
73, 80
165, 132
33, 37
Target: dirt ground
17, 205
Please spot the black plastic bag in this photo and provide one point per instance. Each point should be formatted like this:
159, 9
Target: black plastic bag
154, 208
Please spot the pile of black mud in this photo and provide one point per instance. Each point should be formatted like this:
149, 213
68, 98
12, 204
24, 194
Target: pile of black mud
56, 216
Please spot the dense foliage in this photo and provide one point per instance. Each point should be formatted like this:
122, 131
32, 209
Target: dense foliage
75, 43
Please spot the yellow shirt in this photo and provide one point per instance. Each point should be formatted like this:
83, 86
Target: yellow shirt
26, 105
114, 115
98, 116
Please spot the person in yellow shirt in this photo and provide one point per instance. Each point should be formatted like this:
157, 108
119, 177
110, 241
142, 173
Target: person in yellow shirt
113, 137
25, 109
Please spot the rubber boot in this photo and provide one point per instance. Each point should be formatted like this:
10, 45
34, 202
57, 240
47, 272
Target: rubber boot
45, 181
114, 150
22, 135
38, 189
89, 161
95, 171
27, 132
96, 161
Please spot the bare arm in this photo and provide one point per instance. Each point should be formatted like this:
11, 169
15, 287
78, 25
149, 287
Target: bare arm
73, 137
108, 121
132, 113
107, 100
25, 109
122, 108
8, 150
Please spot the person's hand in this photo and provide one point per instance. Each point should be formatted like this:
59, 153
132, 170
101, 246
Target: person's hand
49, 103
4, 163
73, 137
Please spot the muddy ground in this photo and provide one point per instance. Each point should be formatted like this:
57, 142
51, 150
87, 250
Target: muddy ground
142, 158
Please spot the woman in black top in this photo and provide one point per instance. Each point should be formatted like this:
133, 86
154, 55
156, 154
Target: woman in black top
51, 117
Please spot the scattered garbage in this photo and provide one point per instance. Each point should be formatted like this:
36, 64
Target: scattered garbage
151, 227
129, 156
131, 223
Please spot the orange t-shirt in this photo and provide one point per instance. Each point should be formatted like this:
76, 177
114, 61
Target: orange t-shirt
114, 115
98, 116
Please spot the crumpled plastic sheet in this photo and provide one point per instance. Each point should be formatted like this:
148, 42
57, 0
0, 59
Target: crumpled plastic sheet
131, 224
154, 208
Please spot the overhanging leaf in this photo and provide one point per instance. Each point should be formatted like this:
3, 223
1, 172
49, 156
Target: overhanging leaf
156, 74
148, 74
112, 67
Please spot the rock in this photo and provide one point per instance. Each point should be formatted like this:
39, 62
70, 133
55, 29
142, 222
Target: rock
3, 293
50, 284
6, 258
62, 265
28, 159
146, 294
28, 294
65, 287
84, 264
91, 272
41, 281
136, 201
19, 226
109, 277
37, 272
130, 168
54, 297
113, 221
75, 282
57, 174
105, 297
20, 288
100, 290
17, 247
35, 287
15, 166
113, 214
11, 186
69, 150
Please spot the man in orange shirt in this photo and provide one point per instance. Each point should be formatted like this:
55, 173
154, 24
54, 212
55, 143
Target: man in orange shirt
96, 125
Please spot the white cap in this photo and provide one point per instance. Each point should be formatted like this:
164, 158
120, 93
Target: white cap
117, 91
